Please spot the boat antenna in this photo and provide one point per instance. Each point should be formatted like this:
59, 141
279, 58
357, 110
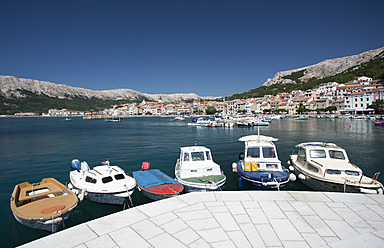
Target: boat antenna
258, 133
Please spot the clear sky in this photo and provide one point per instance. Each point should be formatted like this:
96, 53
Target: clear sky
208, 47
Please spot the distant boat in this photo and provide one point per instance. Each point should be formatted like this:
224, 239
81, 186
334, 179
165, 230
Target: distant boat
112, 119
156, 185
44, 205
301, 118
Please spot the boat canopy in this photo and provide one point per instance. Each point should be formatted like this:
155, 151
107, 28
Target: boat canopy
152, 177
257, 138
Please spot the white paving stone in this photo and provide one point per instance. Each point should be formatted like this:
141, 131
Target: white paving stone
174, 226
239, 239
187, 236
324, 211
67, 238
309, 196
299, 223
235, 208
285, 230
235, 219
213, 235
104, 241
146, 229
161, 207
116, 221
341, 229
271, 210
227, 196
268, 235
226, 221
203, 224
125, 237
165, 240
271, 196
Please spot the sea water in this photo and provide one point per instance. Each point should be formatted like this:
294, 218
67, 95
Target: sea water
36, 148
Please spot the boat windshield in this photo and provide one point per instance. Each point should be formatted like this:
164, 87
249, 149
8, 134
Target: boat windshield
253, 152
317, 153
197, 156
208, 155
336, 154
269, 152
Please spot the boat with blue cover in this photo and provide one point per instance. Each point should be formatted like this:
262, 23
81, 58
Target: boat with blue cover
155, 184
259, 164
196, 170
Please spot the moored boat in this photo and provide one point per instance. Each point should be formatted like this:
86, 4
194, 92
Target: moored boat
155, 184
259, 164
196, 170
103, 184
326, 167
44, 205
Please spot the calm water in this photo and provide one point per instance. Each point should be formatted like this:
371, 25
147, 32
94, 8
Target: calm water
34, 148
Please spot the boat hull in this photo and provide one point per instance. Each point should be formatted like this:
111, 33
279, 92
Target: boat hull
117, 198
264, 179
50, 225
330, 186
151, 194
201, 187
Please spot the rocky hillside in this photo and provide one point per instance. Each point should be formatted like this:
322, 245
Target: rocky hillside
15, 88
324, 69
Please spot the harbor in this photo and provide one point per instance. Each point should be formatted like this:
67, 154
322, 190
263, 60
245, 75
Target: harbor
44, 148
236, 219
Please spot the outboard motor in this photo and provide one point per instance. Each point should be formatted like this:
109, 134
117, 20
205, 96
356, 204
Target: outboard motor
75, 164
84, 166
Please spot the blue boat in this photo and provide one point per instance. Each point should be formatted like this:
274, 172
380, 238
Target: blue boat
259, 164
156, 185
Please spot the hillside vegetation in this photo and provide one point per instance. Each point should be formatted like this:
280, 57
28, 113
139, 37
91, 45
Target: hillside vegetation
373, 69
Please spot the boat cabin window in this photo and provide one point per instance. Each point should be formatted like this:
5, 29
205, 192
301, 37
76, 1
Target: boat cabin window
253, 152
301, 153
272, 166
197, 156
269, 152
333, 172
186, 156
317, 154
312, 168
208, 155
119, 176
90, 180
106, 179
336, 154
352, 173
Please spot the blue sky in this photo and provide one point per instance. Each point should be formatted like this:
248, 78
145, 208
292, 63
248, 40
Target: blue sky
208, 47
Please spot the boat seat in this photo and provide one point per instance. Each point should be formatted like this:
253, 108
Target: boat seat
51, 187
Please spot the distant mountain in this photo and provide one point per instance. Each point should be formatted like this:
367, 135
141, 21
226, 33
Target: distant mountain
19, 94
341, 70
327, 68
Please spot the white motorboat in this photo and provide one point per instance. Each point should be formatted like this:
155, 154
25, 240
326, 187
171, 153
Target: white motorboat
196, 170
259, 164
103, 183
326, 167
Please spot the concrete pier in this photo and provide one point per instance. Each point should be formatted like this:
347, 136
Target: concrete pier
236, 219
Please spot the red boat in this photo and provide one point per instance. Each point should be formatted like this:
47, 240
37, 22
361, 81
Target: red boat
156, 185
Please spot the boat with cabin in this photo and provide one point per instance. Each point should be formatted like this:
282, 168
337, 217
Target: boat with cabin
155, 184
259, 165
196, 170
326, 167
103, 184
44, 205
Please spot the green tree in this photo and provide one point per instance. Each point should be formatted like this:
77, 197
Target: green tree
210, 110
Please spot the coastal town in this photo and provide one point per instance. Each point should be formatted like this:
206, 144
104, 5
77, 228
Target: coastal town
354, 97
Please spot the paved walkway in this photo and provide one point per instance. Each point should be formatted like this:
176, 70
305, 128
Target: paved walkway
236, 219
